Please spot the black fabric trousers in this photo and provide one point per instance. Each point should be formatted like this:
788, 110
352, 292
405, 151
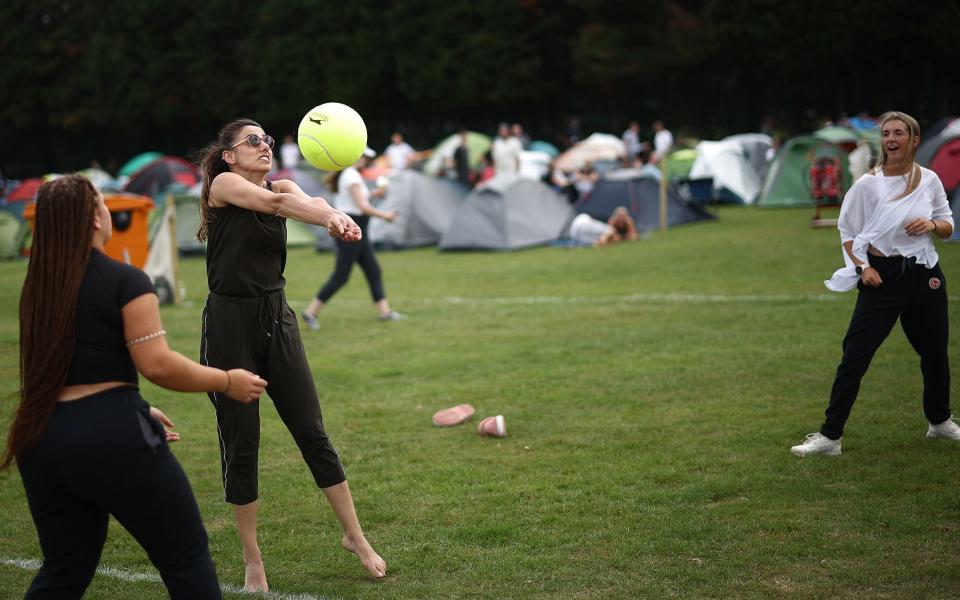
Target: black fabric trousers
349, 253
260, 334
104, 455
918, 297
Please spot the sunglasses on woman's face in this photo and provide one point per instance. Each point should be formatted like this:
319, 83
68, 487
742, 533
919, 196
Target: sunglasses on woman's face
255, 140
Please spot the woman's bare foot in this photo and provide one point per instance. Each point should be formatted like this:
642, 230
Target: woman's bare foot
255, 578
371, 561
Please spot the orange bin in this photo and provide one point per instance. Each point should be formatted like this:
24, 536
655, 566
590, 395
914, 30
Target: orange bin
130, 215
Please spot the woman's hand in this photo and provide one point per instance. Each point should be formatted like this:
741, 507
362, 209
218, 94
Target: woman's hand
920, 227
157, 414
870, 276
339, 225
390, 216
244, 386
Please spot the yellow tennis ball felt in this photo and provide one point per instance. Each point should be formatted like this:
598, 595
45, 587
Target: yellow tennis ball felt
332, 136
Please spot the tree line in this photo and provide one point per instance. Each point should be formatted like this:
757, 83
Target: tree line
102, 81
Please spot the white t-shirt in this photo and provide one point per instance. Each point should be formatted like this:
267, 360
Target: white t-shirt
506, 155
869, 215
344, 198
398, 155
587, 230
289, 156
662, 142
631, 143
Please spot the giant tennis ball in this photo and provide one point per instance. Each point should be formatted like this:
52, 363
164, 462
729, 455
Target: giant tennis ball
332, 136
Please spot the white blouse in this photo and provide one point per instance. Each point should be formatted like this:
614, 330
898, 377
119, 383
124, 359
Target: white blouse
869, 216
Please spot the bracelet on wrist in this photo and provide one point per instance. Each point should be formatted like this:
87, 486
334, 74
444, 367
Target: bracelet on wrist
934, 226
227, 373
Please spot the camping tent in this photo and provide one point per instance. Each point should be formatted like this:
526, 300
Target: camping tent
137, 162
599, 147
734, 178
309, 179
477, 145
13, 231
755, 147
941, 153
788, 180
26, 191
424, 205
639, 194
507, 212
158, 176
679, 163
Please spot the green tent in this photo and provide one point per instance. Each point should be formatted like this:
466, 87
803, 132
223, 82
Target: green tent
788, 180
680, 162
301, 235
12, 233
138, 162
477, 145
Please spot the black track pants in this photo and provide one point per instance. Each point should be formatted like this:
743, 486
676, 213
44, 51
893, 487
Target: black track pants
918, 297
260, 334
349, 253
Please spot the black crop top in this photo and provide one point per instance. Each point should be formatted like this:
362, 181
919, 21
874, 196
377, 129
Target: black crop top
101, 352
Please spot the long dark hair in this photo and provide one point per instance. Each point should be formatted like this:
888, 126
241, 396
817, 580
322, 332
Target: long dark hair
212, 164
62, 238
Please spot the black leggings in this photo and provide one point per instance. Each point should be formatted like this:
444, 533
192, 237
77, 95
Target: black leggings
918, 297
104, 455
354, 252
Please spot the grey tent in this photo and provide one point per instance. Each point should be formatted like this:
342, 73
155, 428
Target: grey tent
188, 222
424, 205
506, 213
639, 194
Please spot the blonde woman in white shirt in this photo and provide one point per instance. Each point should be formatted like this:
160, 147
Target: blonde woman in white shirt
887, 223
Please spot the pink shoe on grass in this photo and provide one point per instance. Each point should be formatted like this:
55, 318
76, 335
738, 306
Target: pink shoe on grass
495, 426
449, 417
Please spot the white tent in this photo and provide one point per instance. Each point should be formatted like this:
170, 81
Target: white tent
726, 162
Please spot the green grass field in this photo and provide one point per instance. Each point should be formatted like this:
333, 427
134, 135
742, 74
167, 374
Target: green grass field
651, 393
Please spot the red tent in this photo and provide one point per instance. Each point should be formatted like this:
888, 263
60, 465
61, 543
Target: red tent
26, 191
158, 175
946, 164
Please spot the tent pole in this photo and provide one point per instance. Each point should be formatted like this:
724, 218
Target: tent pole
174, 251
663, 193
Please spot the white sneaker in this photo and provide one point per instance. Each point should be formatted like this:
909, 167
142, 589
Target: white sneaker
817, 444
948, 429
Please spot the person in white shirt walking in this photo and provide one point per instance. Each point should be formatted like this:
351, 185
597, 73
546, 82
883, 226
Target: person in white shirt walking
289, 153
662, 141
398, 153
506, 151
887, 221
353, 198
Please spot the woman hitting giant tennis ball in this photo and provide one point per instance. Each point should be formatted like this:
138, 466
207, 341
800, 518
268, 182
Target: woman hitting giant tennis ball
247, 322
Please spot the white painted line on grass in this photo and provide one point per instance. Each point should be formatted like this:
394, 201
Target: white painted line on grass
135, 576
639, 299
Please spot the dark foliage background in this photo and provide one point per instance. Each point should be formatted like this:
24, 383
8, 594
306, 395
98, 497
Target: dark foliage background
84, 80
